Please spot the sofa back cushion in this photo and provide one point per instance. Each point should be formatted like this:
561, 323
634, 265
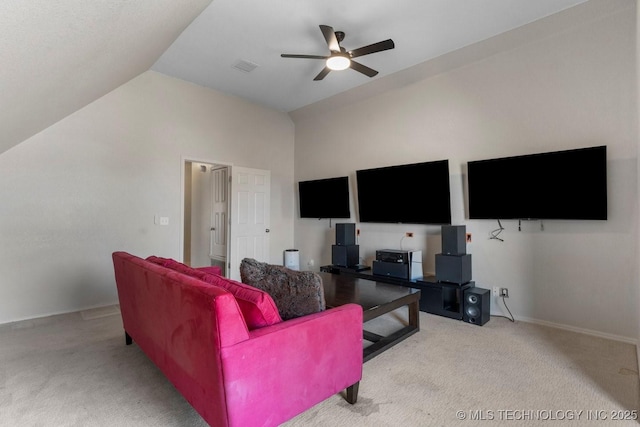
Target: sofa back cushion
214, 269
257, 307
296, 293
172, 264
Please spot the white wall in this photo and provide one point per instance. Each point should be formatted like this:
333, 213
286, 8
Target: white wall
92, 183
569, 86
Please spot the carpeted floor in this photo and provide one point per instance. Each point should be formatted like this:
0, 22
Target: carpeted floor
74, 370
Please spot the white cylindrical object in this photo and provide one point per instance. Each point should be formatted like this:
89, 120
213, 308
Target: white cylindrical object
292, 259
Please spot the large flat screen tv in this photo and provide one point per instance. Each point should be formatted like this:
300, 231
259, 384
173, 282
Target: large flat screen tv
324, 198
569, 184
417, 193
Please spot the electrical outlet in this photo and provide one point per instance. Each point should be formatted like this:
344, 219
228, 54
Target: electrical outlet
504, 292
496, 291
408, 234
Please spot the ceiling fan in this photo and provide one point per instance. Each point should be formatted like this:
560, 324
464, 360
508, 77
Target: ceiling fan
340, 58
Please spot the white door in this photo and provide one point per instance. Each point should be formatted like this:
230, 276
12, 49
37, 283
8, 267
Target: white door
219, 209
250, 217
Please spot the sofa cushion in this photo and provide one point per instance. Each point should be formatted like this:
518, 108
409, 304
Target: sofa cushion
296, 293
183, 268
214, 269
257, 307
172, 264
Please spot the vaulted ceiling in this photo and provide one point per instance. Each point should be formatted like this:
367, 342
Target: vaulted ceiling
58, 56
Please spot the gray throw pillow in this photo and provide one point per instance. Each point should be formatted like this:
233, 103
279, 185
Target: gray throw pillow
296, 293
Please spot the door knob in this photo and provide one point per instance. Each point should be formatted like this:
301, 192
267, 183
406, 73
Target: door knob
267, 230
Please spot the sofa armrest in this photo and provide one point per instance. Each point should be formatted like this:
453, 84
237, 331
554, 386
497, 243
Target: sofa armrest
284, 369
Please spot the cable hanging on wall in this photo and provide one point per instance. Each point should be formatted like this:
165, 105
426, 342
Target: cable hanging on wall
496, 232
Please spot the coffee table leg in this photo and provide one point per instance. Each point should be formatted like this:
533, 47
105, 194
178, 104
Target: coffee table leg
414, 314
382, 343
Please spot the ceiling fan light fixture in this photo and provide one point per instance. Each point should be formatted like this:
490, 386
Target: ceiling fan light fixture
338, 62
339, 58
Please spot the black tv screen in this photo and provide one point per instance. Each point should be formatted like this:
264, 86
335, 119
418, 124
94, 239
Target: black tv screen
324, 198
569, 184
416, 193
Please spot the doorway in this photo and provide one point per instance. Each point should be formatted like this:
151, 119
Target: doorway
206, 207
226, 215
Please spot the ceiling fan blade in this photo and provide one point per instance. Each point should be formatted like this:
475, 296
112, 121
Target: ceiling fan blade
330, 37
363, 69
372, 48
322, 74
287, 55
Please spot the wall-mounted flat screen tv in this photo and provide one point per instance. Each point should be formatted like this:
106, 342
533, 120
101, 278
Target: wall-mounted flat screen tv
569, 184
417, 193
324, 198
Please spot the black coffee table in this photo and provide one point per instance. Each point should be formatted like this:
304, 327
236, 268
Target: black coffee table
376, 299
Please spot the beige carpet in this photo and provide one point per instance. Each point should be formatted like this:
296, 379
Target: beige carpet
74, 370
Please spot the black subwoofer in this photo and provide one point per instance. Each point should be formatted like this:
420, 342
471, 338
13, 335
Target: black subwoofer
477, 306
345, 255
453, 268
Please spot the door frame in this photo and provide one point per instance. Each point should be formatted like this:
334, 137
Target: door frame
195, 159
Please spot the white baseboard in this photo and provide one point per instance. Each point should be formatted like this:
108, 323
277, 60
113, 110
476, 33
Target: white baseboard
98, 312
17, 323
580, 330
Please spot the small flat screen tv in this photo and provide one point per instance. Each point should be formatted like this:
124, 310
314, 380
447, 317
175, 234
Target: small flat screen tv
417, 193
324, 198
569, 184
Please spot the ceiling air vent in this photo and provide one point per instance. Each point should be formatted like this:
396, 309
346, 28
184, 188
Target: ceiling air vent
246, 66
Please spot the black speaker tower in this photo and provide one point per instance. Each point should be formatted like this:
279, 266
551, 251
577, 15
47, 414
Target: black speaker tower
453, 265
345, 253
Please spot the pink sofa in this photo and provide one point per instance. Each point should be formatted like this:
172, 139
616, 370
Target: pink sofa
227, 352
